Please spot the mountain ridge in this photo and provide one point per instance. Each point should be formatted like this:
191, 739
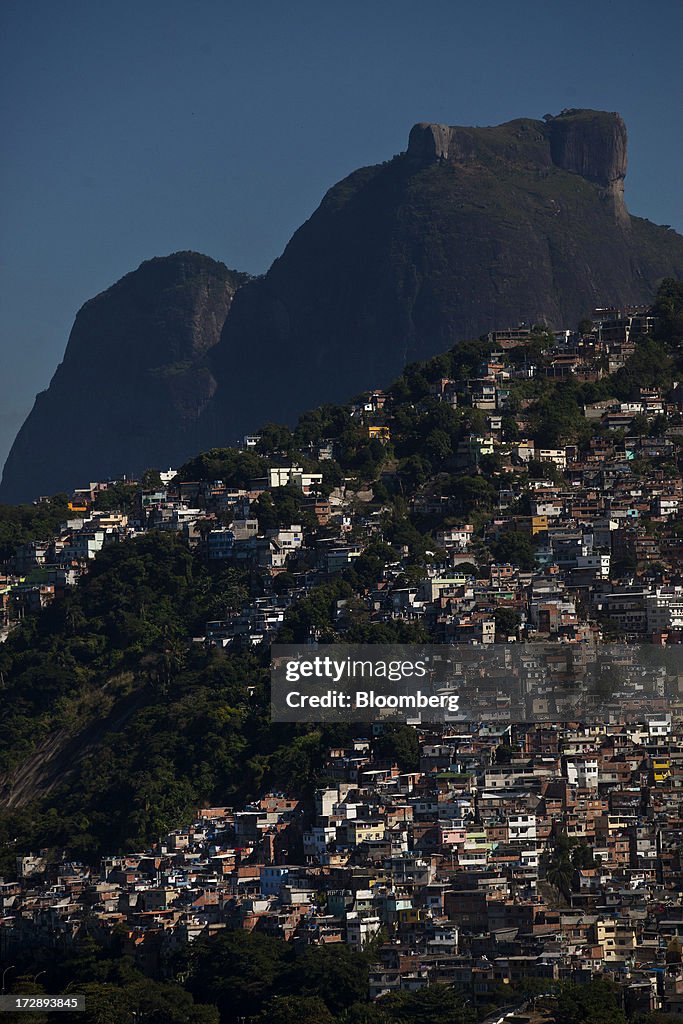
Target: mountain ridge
468, 230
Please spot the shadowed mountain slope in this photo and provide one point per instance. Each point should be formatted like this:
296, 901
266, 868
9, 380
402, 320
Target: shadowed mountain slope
133, 383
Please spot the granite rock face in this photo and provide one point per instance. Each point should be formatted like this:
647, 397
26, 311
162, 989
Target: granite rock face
470, 229
593, 144
134, 381
590, 143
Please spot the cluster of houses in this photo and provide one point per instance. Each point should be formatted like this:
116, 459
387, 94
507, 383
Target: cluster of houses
448, 871
606, 511
589, 532
514, 855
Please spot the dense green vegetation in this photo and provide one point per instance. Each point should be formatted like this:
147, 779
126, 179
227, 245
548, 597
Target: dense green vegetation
238, 976
149, 726
22, 523
109, 669
235, 468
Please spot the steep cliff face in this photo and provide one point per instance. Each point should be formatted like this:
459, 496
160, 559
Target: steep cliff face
134, 381
590, 143
470, 229
593, 144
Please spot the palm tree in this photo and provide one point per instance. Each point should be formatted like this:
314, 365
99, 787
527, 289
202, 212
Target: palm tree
559, 873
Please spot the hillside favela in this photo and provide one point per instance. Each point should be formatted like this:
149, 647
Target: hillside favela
458, 425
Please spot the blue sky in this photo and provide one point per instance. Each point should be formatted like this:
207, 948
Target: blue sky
134, 129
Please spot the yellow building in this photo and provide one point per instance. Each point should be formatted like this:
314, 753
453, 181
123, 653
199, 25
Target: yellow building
661, 769
539, 524
364, 831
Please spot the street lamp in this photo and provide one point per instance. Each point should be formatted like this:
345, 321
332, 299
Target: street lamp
36, 976
10, 968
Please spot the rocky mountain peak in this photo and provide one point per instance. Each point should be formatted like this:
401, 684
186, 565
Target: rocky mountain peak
591, 143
